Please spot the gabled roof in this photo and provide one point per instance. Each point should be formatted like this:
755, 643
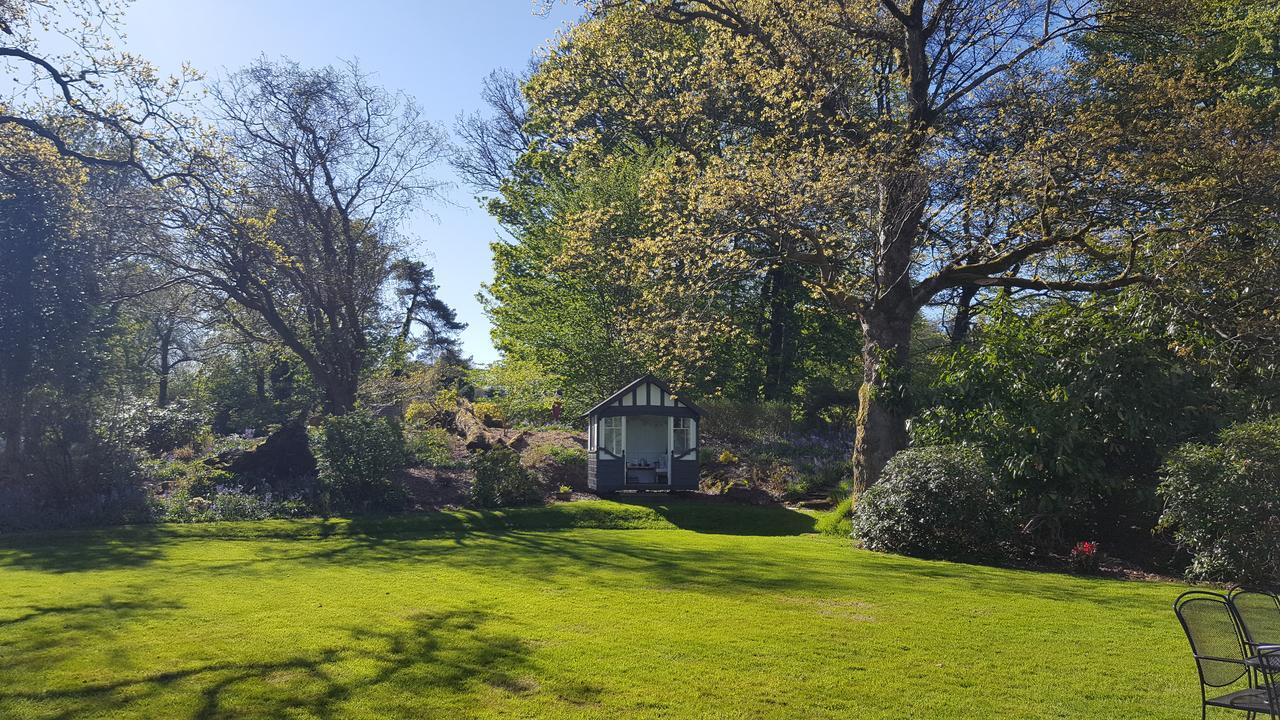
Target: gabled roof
646, 378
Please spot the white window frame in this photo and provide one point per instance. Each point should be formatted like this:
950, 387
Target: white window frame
690, 427
607, 425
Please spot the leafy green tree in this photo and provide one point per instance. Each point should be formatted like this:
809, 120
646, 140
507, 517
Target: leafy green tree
897, 152
566, 290
1075, 406
48, 287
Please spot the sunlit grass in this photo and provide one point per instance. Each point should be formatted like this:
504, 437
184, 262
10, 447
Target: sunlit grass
700, 610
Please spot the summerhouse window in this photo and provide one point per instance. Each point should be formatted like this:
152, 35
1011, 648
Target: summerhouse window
611, 435
682, 437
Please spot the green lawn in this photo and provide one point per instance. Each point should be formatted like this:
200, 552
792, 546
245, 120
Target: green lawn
694, 611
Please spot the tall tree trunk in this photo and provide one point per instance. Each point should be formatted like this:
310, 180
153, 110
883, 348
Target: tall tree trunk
884, 399
782, 334
340, 397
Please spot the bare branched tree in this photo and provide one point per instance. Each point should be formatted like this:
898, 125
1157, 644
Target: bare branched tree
491, 143
323, 168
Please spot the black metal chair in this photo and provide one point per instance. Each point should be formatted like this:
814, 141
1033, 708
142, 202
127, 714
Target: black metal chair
1223, 660
1259, 614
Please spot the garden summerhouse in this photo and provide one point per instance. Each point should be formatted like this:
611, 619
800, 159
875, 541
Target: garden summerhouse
643, 437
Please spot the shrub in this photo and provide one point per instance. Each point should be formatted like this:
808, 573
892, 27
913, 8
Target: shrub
501, 481
934, 502
430, 446
195, 478
556, 465
158, 429
1085, 557
226, 503
489, 413
558, 454
1075, 406
1222, 503
567, 455
73, 485
357, 457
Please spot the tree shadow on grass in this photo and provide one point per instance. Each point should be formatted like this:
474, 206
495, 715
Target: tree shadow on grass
84, 550
136, 546
37, 637
436, 662
707, 514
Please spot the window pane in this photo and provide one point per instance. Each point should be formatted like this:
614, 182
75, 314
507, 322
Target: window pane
611, 434
681, 436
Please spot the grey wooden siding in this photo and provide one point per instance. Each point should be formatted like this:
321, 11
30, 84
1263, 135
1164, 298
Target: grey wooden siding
684, 474
607, 475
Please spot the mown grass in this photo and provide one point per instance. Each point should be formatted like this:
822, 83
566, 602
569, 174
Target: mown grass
601, 609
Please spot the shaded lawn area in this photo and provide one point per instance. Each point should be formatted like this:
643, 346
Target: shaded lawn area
698, 610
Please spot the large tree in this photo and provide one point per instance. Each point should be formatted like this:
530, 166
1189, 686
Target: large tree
301, 229
892, 153
566, 295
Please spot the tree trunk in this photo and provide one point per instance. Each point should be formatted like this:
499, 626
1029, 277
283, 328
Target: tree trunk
883, 400
339, 396
782, 332
12, 430
964, 315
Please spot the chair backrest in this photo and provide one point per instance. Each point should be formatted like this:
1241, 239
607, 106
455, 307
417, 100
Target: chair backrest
1214, 633
1259, 613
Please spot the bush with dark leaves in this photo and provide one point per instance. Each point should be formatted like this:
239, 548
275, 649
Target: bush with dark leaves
934, 502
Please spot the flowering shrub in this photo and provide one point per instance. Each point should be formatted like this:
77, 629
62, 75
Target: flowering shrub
1085, 557
225, 502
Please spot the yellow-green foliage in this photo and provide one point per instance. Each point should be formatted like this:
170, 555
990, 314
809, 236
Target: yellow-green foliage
524, 392
490, 413
429, 446
434, 410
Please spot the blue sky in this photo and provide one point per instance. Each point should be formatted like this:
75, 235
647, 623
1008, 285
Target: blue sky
436, 50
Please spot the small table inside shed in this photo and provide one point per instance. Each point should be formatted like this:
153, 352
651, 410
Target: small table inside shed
641, 474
